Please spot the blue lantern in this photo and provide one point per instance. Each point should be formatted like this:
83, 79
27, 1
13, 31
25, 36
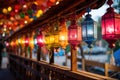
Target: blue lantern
89, 29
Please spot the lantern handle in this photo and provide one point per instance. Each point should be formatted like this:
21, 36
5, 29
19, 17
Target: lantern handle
88, 10
110, 2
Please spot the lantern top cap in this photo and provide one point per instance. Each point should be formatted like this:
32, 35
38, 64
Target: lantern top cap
88, 10
88, 15
110, 2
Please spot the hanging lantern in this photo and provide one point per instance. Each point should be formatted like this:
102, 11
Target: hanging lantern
31, 43
74, 32
17, 8
12, 43
26, 41
16, 42
54, 37
111, 25
7, 44
47, 40
19, 41
40, 39
89, 29
63, 36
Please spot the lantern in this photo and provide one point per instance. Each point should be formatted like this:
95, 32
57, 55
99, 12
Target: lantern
47, 40
40, 39
16, 42
12, 43
31, 43
52, 37
26, 41
7, 44
63, 36
110, 25
89, 29
74, 33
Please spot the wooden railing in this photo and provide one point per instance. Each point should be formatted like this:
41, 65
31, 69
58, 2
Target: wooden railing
28, 69
105, 66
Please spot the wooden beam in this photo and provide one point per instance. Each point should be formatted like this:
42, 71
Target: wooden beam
58, 11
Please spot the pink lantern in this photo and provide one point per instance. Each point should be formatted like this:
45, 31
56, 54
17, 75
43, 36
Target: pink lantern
74, 33
7, 44
40, 40
111, 25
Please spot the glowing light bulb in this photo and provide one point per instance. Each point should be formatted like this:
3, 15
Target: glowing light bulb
25, 22
24, 6
57, 2
5, 29
9, 8
3, 34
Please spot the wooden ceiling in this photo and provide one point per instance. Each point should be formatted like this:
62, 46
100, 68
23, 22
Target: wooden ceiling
7, 3
65, 7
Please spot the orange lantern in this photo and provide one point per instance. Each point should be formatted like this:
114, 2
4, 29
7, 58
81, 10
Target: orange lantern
63, 35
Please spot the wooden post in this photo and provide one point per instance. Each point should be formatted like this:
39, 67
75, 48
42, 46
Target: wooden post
81, 49
83, 64
51, 55
21, 50
73, 58
83, 58
26, 51
106, 69
30, 52
66, 56
39, 53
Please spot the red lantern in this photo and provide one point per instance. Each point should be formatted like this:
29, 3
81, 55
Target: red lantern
26, 41
17, 8
40, 40
7, 44
110, 25
74, 33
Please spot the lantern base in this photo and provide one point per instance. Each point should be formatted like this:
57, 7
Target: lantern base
89, 43
111, 43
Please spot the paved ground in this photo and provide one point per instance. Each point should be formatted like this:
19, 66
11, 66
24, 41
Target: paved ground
6, 75
4, 72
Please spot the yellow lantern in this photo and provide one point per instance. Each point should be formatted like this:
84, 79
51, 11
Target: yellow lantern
56, 40
22, 40
31, 43
47, 39
19, 41
63, 35
52, 39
